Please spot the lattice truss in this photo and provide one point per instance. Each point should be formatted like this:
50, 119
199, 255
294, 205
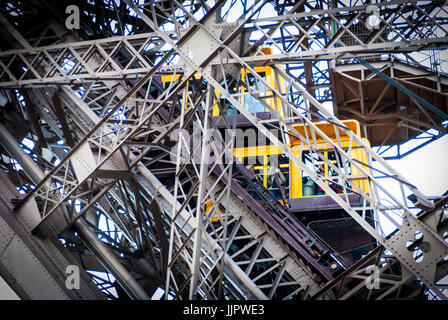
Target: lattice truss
195, 224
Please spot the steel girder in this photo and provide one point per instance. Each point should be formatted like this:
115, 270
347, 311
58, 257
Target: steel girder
395, 243
328, 33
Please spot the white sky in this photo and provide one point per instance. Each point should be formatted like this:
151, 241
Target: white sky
427, 168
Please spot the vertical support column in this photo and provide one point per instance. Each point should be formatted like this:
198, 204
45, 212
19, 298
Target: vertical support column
205, 156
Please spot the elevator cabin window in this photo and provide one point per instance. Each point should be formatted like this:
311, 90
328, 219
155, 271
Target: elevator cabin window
324, 171
249, 91
272, 171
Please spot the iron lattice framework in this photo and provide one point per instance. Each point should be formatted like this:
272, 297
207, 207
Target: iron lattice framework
114, 143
